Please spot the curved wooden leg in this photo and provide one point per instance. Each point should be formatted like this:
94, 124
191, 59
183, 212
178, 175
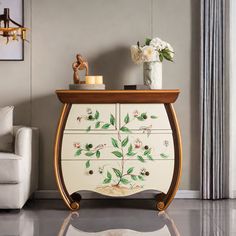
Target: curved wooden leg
161, 203
76, 197
71, 201
163, 200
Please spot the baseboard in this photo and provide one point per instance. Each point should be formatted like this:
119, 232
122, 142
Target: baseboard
54, 194
233, 194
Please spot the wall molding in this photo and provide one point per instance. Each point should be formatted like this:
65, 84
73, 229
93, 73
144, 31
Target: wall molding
54, 194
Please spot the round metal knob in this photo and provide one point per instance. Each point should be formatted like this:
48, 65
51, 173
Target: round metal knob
90, 117
90, 172
147, 173
146, 147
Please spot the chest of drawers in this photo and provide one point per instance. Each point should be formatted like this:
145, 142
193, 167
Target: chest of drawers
118, 143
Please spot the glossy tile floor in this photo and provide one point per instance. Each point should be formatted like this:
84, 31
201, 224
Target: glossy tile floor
118, 218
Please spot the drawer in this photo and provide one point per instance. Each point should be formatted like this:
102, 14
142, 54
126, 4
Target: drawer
107, 178
143, 117
113, 146
92, 117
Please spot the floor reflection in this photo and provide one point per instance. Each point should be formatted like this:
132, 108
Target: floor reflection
118, 218
74, 225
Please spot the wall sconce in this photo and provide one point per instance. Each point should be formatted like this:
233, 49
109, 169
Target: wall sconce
9, 32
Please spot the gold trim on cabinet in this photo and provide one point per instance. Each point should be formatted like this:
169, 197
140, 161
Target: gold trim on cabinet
73, 205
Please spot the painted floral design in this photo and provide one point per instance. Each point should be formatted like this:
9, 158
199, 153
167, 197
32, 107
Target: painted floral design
123, 150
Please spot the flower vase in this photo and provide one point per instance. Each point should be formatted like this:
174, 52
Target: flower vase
152, 74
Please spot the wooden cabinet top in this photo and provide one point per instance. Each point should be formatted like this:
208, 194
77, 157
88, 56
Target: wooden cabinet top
118, 96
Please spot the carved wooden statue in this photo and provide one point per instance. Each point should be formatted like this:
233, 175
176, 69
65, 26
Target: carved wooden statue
79, 64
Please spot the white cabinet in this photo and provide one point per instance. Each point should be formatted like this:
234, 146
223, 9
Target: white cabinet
117, 149
118, 143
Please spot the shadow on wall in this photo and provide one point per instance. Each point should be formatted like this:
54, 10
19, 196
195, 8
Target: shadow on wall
114, 66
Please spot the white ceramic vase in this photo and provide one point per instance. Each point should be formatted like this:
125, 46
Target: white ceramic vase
152, 74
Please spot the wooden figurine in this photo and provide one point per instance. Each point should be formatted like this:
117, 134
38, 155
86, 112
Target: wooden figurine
79, 64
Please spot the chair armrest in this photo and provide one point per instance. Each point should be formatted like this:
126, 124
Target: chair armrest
27, 146
26, 139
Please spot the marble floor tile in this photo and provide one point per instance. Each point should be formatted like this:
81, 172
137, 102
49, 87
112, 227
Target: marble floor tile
121, 218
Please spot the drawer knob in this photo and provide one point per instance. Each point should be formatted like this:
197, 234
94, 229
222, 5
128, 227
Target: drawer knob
90, 172
90, 117
146, 147
147, 173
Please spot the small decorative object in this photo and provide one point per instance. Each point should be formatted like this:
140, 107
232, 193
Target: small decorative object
151, 55
79, 64
99, 79
92, 82
12, 30
90, 79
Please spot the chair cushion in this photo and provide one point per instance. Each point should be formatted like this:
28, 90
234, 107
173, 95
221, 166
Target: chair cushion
10, 168
6, 129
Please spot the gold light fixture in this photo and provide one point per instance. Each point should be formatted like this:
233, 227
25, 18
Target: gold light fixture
11, 32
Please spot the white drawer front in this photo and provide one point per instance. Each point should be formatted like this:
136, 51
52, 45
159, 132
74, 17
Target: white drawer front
94, 146
92, 117
106, 177
143, 116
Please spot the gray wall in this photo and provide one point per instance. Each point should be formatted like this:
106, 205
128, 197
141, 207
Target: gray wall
103, 31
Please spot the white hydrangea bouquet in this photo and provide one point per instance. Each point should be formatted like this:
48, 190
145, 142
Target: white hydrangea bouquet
153, 50
152, 55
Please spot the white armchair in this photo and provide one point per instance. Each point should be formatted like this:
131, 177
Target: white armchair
19, 170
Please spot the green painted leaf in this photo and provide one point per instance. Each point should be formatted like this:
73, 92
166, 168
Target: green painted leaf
141, 177
106, 181
147, 152
96, 116
131, 154
150, 157
124, 181
125, 141
89, 154
140, 158
130, 148
125, 129
154, 117
112, 119
117, 153
88, 129
78, 152
134, 177
117, 172
140, 118
105, 126
163, 155
126, 119
98, 153
130, 170
109, 176
114, 143
97, 125
87, 164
